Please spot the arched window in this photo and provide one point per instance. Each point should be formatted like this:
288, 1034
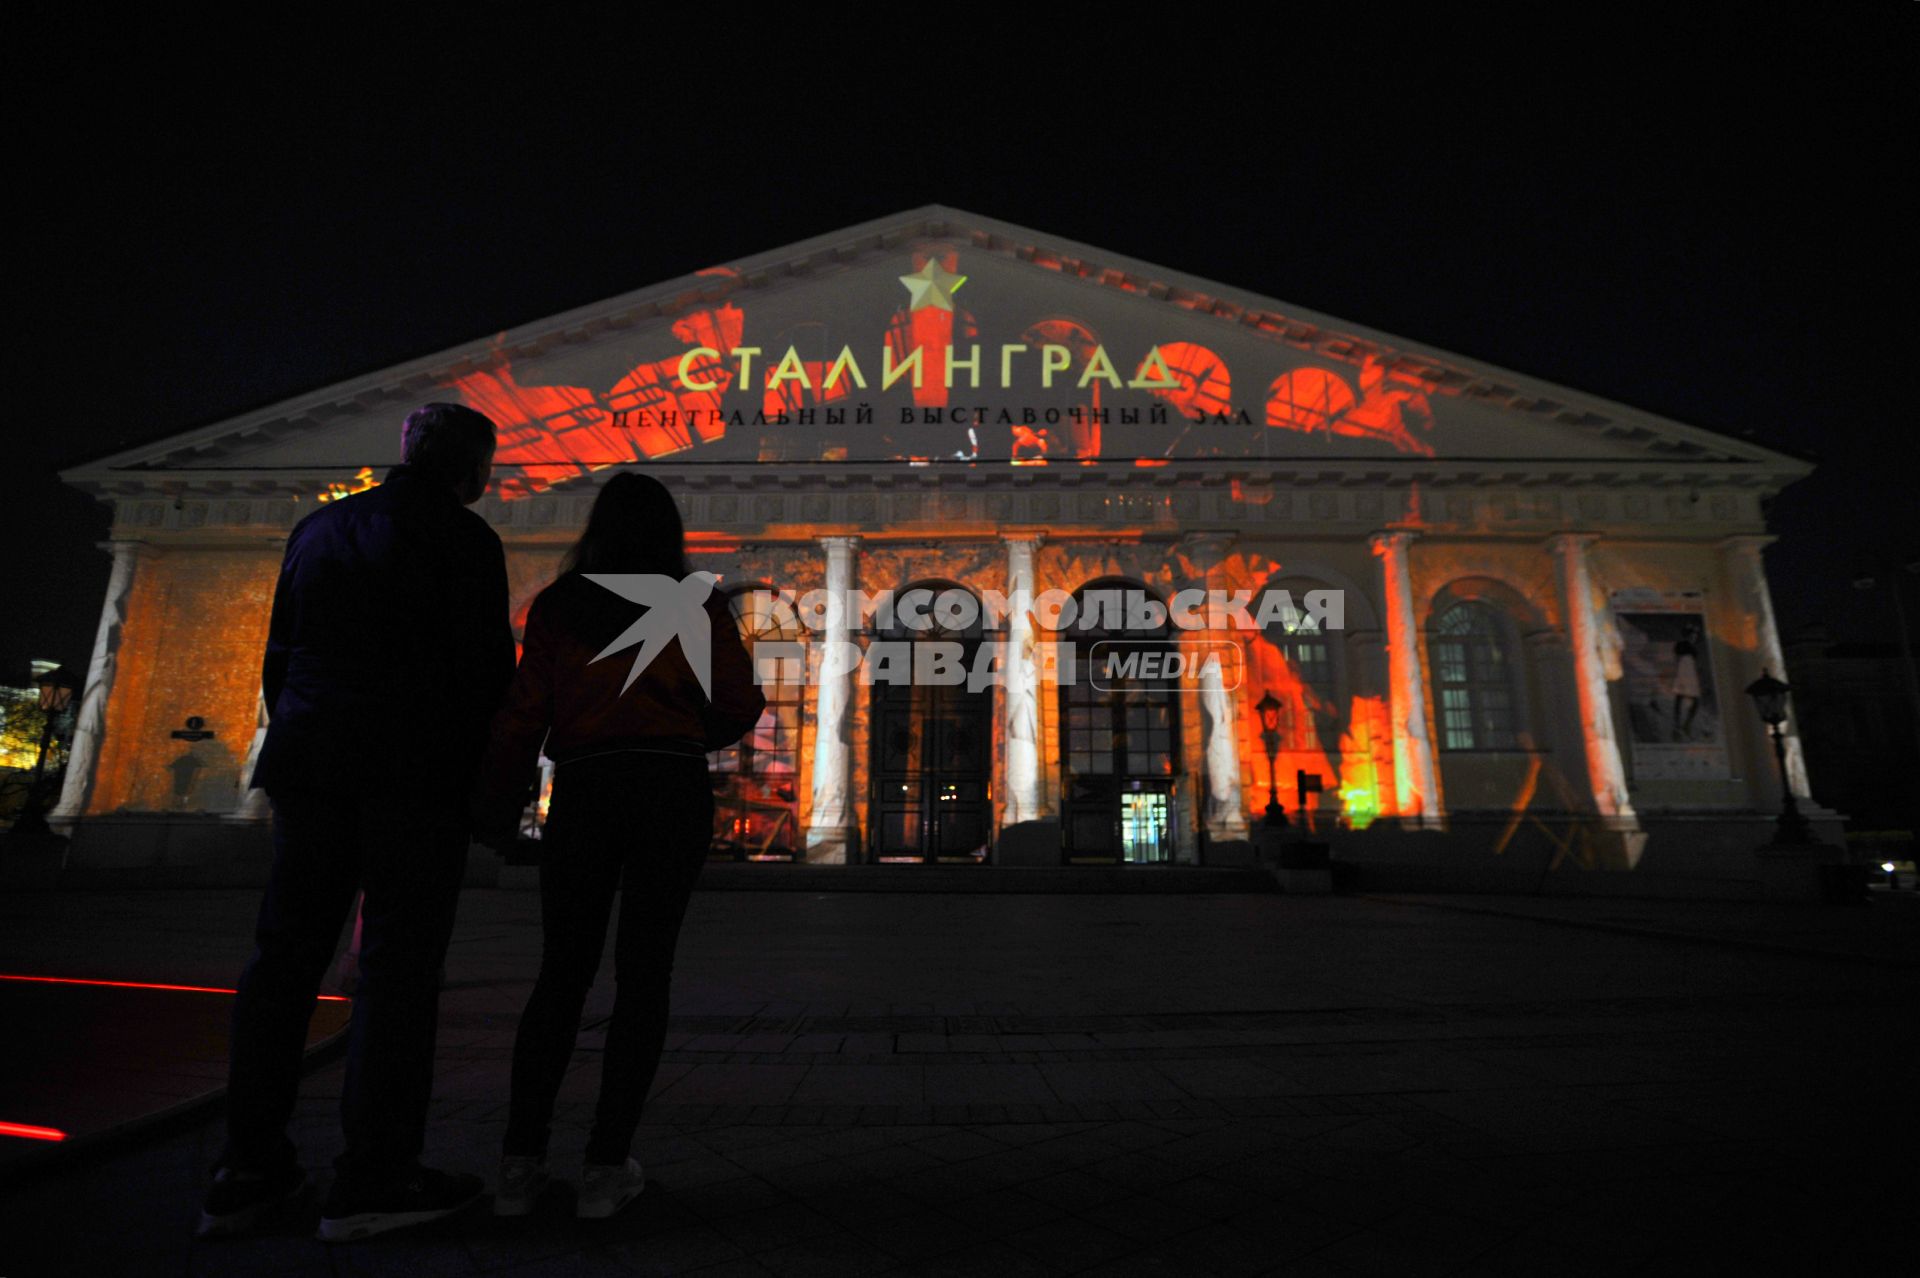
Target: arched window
931, 738
1473, 679
1311, 704
1121, 741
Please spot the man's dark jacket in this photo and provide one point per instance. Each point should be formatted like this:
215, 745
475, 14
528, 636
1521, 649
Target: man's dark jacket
390, 646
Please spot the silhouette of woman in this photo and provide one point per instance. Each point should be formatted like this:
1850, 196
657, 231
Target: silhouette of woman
631, 809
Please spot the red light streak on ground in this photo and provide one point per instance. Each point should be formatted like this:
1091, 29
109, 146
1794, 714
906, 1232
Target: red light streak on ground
28, 1132
142, 985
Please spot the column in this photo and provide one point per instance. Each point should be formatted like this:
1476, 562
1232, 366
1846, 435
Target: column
1225, 803
829, 832
90, 724
1749, 576
1416, 784
252, 805
1586, 631
1021, 703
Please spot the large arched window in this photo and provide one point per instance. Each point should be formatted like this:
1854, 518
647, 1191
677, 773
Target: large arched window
756, 804
932, 738
1473, 679
1120, 731
1309, 676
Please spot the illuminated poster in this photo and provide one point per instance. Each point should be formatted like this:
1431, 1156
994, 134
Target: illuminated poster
1666, 668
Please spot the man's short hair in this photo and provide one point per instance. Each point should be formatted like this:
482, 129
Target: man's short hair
446, 440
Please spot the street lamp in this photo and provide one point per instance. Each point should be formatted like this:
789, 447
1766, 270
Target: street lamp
1770, 699
56, 693
1269, 708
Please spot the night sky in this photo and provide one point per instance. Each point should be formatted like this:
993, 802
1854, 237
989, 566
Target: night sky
1708, 216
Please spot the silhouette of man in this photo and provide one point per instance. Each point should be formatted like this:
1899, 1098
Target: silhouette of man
388, 651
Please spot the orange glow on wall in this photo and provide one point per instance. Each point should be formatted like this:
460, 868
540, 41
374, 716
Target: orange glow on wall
360, 483
201, 626
1366, 763
1304, 715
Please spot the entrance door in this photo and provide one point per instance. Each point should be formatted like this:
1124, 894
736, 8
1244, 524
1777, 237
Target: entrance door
1121, 737
931, 754
1119, 773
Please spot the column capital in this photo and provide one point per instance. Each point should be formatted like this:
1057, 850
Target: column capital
1209, 538
1747, 543
1563, 542
1031, 536
1386, 541
137, 547
840, 541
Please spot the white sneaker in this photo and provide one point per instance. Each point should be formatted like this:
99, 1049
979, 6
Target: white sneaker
605, 1190
523, 1179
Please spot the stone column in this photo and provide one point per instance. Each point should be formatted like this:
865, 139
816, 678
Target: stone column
1586, 632
1225, 802
253, 805
90, 724
1021, 702
830, 832
1416, 782
1750, 589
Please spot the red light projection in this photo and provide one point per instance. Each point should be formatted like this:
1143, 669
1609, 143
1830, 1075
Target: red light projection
931, 331
796, 381
27, 1131
790, 394
555, 432
1083, 433
1366, 756
1206, 385
1308, 399
1390, 408
1303, 714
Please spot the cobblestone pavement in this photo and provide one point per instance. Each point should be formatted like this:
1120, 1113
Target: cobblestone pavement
918, 1084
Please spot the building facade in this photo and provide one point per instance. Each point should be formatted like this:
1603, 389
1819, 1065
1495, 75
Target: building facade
1549, 603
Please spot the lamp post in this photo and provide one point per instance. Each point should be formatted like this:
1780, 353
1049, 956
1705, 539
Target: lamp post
56, 693
1269, 708
1770, 699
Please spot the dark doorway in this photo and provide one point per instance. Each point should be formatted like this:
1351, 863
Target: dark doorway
932, 748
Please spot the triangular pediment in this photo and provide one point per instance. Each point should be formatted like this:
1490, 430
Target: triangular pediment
1061, 355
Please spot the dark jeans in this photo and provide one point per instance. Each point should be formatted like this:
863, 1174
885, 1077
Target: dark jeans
640, 823
408, 859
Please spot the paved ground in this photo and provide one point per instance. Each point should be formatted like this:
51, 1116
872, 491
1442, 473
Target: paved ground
869, 1083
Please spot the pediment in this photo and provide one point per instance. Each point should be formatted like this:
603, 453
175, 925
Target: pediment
1057, 354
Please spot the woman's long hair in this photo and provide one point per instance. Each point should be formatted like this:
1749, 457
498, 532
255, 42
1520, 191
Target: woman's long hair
634, 527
